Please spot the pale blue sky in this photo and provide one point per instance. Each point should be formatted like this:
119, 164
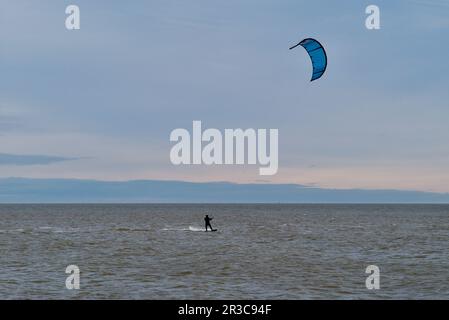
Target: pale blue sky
110, 94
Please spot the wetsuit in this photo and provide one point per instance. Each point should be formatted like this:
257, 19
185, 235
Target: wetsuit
207, 222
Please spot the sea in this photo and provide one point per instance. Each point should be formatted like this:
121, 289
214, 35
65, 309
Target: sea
260, 251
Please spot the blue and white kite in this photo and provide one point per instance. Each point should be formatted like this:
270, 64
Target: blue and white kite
317, 55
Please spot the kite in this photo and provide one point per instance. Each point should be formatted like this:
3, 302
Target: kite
317, 55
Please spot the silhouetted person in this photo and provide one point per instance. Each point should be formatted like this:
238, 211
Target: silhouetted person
207, 221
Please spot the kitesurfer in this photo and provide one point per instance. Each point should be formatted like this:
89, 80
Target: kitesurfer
207, 222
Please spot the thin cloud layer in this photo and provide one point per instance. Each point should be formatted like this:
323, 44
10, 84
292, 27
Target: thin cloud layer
27, 160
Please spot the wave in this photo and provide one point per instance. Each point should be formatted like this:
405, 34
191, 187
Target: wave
66, 229
16, 231
124, 229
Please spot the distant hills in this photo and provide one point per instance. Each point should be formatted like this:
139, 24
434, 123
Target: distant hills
23, 190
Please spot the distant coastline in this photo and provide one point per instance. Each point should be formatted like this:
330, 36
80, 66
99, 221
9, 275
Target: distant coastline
25, 190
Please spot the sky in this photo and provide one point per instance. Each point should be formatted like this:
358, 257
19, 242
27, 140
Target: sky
100, 102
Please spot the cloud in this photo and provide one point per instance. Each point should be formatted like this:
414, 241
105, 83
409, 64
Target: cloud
27, 160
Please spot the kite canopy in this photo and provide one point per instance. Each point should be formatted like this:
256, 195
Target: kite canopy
317, 55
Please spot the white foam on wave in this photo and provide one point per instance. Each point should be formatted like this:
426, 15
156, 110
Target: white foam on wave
190, 228
195, 229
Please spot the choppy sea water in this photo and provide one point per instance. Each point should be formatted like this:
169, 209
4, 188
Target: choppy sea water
258, 252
